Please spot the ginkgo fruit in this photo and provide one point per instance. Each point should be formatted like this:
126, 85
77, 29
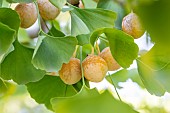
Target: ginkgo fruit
81, 5
94, 68
73, 2
111, 62
47, 10
27, 13
131, 24
70, 73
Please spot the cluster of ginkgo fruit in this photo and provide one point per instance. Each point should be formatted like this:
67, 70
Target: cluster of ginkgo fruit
94, 67
28, 13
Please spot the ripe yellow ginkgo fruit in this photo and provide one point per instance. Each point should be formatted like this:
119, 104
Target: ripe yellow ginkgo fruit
131, 25
70, 73
111, 62
94, 68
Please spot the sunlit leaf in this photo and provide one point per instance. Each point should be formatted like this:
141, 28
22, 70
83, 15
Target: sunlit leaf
90, 101
122, 46
49, 87
52, 52
83, 20
123, 75
89, 4
58, 3
154, 69
17, 66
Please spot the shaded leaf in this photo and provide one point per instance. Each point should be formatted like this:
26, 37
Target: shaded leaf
154, 69
3, 87
83, 20
122, 46
86, 49
17, 66
6, 38
55, 32
123, 75
155, 17
52, 52
49, 87
83, 39
114, 6
10, 18
90, 101
20, 1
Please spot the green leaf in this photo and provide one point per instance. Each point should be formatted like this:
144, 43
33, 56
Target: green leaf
17, 66
83, 39
83, 20
154, 69
6, 38
86, 49
123, 75
77, 25
10, 18
52, 52
49, 87
58, 3
89, 4
3, 87
122, 46
90, 101
114, 6
55, 32
1, 3
155, 17
20, 1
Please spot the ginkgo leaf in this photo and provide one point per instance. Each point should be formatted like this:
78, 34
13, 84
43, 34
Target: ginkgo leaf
154, 69
51, 52
17, 66
49, 87
84, 21
122, 45
90, 101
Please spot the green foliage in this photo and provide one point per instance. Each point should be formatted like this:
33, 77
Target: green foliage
58, 3
6, 33
8, 29
154, 69
123, 75
17, 66
122, 46
20, 1
12, 17
89, 4
49, 87
155, 17
3, 87
85, 20
113, 6
90, 101
52, 52
27, 61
